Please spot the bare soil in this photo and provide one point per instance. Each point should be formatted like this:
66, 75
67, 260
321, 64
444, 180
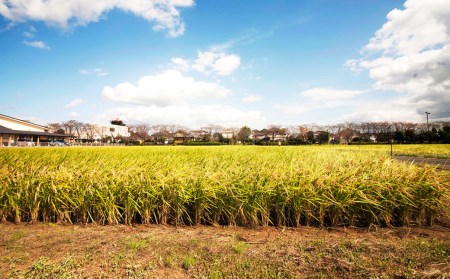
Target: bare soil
155, 251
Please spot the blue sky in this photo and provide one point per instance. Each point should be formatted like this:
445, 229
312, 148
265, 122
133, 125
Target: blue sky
231, 63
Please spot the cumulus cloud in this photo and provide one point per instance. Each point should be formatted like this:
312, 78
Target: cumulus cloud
251, 99
188, 115
219, 63
410, 55
97, 72
209, 62
166, 89
329, 93
37, 44
180, 63
64, 13
75, 103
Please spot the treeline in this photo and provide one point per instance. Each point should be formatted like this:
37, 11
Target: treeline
343, 133
347, 133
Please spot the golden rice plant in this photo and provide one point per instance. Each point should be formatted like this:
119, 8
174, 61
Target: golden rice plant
231, 185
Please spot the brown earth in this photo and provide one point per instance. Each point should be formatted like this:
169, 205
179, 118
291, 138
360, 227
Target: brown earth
155, 251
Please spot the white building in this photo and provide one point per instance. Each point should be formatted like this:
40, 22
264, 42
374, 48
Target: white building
20, 125
99, 132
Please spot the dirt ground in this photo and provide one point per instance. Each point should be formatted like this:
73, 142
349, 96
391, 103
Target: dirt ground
155, 251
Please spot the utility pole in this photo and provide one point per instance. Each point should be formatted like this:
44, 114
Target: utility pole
427, 113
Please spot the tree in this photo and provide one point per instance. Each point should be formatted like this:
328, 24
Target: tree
141, 131
310, 137
211, 130
91, 130
117, 122
274, 130
410, 136
303, 133
399, 136
244, 134
323, 137
218, 137
79, 129
444, 134
69, 127
348, 134
56, 128
291, 131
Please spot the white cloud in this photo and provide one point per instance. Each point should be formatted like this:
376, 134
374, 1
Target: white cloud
75, 103
421, 25
74, 114
226, 64
251, 99
219, 63
166, 89
97, 72
330, 93
209, 62
37, 44
64, 13
193, 116
180, 63
410, 55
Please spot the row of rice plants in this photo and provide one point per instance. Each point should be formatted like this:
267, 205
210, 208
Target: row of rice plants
251, 186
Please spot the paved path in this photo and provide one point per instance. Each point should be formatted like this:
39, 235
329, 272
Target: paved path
442, 164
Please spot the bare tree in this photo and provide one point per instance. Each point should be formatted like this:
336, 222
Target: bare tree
212, 129
69, 127
141, 131
102, 132
90, 130
79, 129
56, 128
291, 131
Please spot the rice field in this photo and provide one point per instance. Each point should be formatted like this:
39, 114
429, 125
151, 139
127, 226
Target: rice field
415, 150
229, 185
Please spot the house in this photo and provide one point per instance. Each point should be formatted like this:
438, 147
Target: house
260, 135
180, 137
18, 132
163, 137
228, 134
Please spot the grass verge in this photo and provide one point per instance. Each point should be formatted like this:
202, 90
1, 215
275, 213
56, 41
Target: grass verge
155, 251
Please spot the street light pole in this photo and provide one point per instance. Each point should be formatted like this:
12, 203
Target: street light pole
427, 113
